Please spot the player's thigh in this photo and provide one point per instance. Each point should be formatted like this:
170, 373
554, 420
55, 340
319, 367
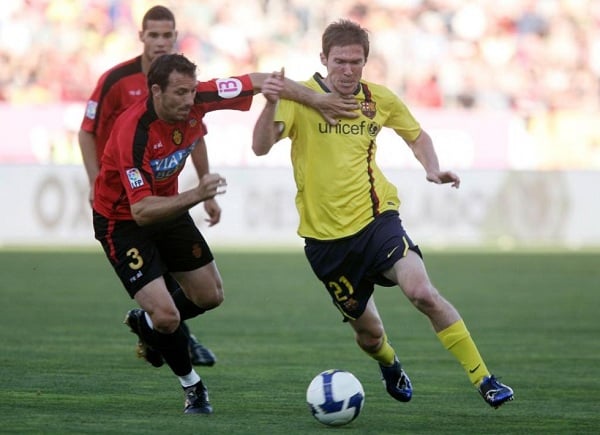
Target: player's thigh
131, 251
182, 246
155, 299
411, 276
203, 285
369, 323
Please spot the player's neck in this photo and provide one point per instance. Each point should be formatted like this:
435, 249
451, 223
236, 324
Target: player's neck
146, 61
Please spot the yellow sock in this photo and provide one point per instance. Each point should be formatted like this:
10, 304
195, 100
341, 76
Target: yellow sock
458, 341
385, 354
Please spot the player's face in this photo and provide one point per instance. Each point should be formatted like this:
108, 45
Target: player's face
175, 102
344, 68
158, 38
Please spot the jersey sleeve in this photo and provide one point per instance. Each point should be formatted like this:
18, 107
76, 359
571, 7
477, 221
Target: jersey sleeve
232, 93
402, 121
134, 166
91, 108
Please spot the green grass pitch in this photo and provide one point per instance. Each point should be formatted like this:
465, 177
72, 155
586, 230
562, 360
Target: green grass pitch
67, 362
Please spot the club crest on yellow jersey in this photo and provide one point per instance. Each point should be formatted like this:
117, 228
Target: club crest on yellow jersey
368, 108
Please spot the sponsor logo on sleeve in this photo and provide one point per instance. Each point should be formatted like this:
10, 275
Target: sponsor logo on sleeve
229, 88
135, 178
90, 109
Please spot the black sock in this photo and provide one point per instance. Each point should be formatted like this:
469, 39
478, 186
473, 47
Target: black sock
187, 309
185, 329
174, 349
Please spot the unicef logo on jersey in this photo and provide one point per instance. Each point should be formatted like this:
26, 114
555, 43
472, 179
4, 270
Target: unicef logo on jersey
170, 165
373, 129
350, 128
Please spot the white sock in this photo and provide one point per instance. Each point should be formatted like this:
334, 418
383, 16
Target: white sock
190, 379
148, 320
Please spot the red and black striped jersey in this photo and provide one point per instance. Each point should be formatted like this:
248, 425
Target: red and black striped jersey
116, 90
144, 155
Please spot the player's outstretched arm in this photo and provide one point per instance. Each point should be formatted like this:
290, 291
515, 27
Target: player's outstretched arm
331, 106
424, 151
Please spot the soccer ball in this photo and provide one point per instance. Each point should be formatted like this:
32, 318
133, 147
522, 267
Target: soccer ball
335, 397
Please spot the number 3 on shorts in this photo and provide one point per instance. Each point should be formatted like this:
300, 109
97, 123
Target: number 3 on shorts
136, 260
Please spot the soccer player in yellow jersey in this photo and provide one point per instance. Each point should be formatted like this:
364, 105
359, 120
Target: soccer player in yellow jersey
348, 210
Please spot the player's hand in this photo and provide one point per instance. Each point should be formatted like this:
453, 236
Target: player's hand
333, 106
443, 177
211, 185
213, 210
273, 86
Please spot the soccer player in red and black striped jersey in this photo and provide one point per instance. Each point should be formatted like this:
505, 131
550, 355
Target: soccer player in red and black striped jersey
116, 90
143, 221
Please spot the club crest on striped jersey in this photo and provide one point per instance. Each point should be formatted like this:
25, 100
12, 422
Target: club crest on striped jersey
177, 136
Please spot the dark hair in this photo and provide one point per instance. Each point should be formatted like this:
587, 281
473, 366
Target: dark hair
342, 33
162, 67
157, 13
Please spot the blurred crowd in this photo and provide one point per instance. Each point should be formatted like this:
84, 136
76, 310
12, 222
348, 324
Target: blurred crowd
524, 55
536, 60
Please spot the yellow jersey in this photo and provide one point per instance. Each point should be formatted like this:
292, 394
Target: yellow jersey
340, 188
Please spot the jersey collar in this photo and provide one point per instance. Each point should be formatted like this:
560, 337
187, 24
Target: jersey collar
321, 82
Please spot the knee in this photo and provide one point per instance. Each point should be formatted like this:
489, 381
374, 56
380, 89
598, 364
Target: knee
165, 321
370, 341
425, 298
209, 296
215, 299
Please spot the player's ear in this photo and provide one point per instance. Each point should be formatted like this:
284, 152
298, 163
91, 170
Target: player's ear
323, 59
141, 35
155, 90
175, 35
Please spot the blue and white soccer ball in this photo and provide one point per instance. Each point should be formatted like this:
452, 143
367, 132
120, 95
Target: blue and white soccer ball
335, 397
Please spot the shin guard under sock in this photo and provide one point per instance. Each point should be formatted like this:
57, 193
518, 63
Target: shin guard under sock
174, 349
187, 309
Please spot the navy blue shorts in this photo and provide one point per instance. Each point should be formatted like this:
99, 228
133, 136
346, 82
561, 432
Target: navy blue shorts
351, 267
139, 255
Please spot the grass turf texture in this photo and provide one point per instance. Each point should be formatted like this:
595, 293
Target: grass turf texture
67, 363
